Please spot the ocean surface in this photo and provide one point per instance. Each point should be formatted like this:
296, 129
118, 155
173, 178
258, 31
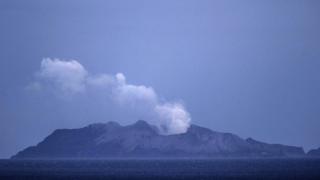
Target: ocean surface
220, 169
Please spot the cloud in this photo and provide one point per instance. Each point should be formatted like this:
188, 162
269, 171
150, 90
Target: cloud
70, 77
130, 94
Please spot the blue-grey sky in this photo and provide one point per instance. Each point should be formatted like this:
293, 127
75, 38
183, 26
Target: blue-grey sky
247, 67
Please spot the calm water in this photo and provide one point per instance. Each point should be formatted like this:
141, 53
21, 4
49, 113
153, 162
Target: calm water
222, 169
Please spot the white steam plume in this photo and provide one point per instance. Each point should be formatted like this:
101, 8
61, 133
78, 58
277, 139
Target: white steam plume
70, 77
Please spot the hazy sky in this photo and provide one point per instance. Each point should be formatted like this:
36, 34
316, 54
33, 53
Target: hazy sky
247, 67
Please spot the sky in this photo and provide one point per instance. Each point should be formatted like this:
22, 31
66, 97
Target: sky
251, 68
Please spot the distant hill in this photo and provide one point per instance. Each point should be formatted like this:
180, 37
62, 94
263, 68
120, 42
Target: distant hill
111, 140
314, 152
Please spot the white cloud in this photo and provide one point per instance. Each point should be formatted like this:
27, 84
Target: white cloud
121, 79
71, 77
68, 76
125, 93
102, 80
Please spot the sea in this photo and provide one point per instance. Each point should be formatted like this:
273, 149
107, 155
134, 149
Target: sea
153, 169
